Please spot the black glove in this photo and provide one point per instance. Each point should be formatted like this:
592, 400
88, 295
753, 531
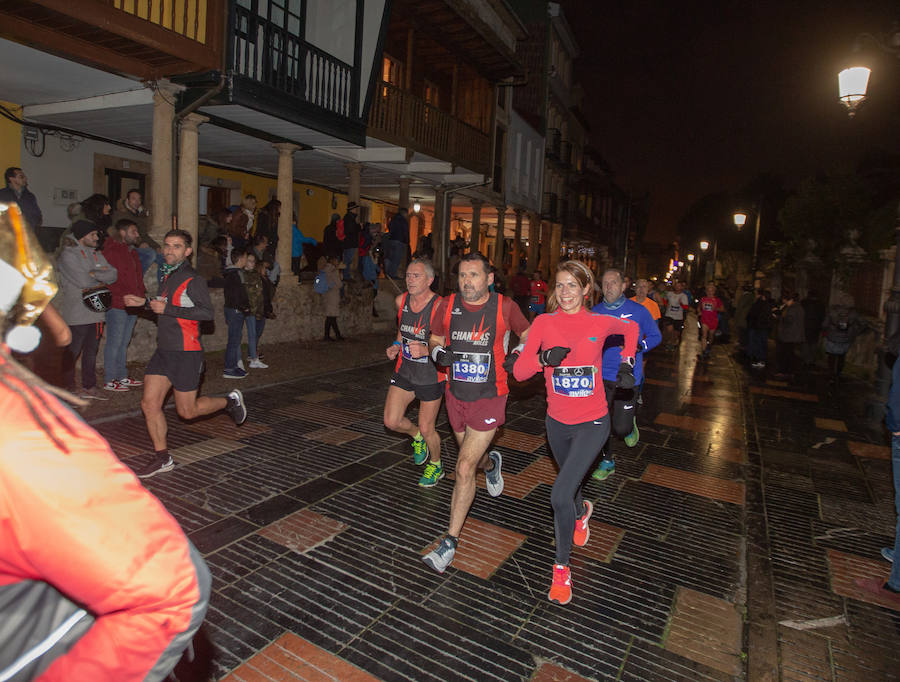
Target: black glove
442, 356
511, 358
553, 356
625, 376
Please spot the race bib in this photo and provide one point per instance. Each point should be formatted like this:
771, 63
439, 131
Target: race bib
472, 368
574, 382
404, 348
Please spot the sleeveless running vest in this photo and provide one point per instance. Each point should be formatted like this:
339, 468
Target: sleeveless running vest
416, 327
478, 342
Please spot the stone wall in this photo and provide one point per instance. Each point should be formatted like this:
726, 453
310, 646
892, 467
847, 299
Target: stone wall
299, 317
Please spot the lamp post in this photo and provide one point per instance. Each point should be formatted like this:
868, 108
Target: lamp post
852, 85
740, 219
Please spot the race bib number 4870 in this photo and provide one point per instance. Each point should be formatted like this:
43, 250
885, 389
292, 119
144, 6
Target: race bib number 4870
574, 382
473, 368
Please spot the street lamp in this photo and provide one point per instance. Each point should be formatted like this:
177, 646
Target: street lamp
416, 206
852, 85
704, 246
740, 219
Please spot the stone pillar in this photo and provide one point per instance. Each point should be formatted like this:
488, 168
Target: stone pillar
545, 249
284, 193
499, 239
403, 201
188, 176
534, 241
354, 170
437, 234
517, 243
160, 203
555, 240
475, 236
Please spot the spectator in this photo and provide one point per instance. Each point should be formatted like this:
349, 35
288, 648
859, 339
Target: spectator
242, 223
331, 299
96, 209
741, 311
131, 208
369, 241
264, 251
83, 267
759, 322
210, 262
237, 308
267, 222
120, 253
16, 191
256, 313
790, 334
215, 225
397, 243
350, 241
841, 326
298, 260
538, 300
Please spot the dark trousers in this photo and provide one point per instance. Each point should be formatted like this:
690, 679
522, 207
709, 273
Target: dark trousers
620, 403
331, 323
85, 341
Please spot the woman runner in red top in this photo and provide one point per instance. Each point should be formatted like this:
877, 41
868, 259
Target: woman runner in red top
710, 307
567, 344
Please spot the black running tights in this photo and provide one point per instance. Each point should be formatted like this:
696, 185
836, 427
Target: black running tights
575, 447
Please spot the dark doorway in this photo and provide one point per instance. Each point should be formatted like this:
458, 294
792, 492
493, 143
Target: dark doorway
216, 199
119, 183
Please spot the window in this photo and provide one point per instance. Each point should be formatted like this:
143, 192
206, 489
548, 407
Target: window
392, 70
431, 94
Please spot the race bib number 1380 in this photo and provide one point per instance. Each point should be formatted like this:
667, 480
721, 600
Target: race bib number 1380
472, 368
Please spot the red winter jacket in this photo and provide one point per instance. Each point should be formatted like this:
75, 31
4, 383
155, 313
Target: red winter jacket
86, 551
131, 278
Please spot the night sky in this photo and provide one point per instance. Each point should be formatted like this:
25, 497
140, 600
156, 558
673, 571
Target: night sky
689, 98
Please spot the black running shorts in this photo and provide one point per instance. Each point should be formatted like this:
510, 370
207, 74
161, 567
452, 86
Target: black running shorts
182, 367
425, 392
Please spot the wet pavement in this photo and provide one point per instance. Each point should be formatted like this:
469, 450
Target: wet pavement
725, 545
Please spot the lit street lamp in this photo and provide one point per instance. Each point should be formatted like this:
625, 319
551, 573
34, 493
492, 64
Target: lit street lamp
852, 85
740, 219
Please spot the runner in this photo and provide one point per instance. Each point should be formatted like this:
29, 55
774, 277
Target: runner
567, 345
183, 302
621, 400
538, 300
415, 375
710, 306
471, 335
677, 302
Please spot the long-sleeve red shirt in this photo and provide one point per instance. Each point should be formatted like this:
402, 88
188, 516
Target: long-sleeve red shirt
575, 391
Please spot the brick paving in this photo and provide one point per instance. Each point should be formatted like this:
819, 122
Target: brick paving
724, 547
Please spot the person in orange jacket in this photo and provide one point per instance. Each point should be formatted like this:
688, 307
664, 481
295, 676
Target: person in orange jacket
97, 580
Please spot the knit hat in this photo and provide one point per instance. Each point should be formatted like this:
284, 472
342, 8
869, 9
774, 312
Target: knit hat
81, 228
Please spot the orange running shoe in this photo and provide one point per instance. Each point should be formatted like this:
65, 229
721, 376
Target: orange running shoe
561, 589
582, 529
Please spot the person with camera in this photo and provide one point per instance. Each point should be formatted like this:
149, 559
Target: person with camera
84, 274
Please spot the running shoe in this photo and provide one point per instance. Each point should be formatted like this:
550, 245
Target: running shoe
420, 450
431, 475
888, 554
131, 383
236, 408
561, 589
116, 386
582, 529
632, 438
236, 373
441, 556
159, 465
92, 394
606, 469
256, 363
493, 478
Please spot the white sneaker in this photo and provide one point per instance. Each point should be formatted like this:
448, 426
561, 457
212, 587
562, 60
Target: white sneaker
241, 365
115, 386
256, 363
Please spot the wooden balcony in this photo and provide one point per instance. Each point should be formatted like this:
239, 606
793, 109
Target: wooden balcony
148, 39
403, 119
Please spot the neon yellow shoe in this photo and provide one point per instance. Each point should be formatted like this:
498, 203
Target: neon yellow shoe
420, 450
431, 475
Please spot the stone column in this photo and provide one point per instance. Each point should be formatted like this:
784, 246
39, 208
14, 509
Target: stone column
160, 203
545, 249
499, 241
188, 176
534, 241
284, 193
517, 242
555, 240
403, 201
475, 236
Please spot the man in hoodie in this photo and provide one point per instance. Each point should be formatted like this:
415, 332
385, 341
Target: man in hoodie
131, 208
81, 267
621, 401
121, 253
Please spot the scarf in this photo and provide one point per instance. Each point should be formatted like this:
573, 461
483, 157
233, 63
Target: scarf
615, 305
165, 269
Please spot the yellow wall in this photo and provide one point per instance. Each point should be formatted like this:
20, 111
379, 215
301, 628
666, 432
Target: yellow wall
314, 209
10, 139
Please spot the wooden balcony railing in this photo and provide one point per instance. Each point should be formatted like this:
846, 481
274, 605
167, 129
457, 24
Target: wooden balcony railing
145, 38
404, 119
270, 55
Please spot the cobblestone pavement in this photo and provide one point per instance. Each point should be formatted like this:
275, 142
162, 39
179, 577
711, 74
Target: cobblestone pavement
723, 547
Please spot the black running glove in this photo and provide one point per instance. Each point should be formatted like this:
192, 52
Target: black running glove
553, 356
625, 376
442, 356
511, 358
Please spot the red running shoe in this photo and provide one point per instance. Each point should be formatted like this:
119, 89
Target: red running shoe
561, 589
582, 530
